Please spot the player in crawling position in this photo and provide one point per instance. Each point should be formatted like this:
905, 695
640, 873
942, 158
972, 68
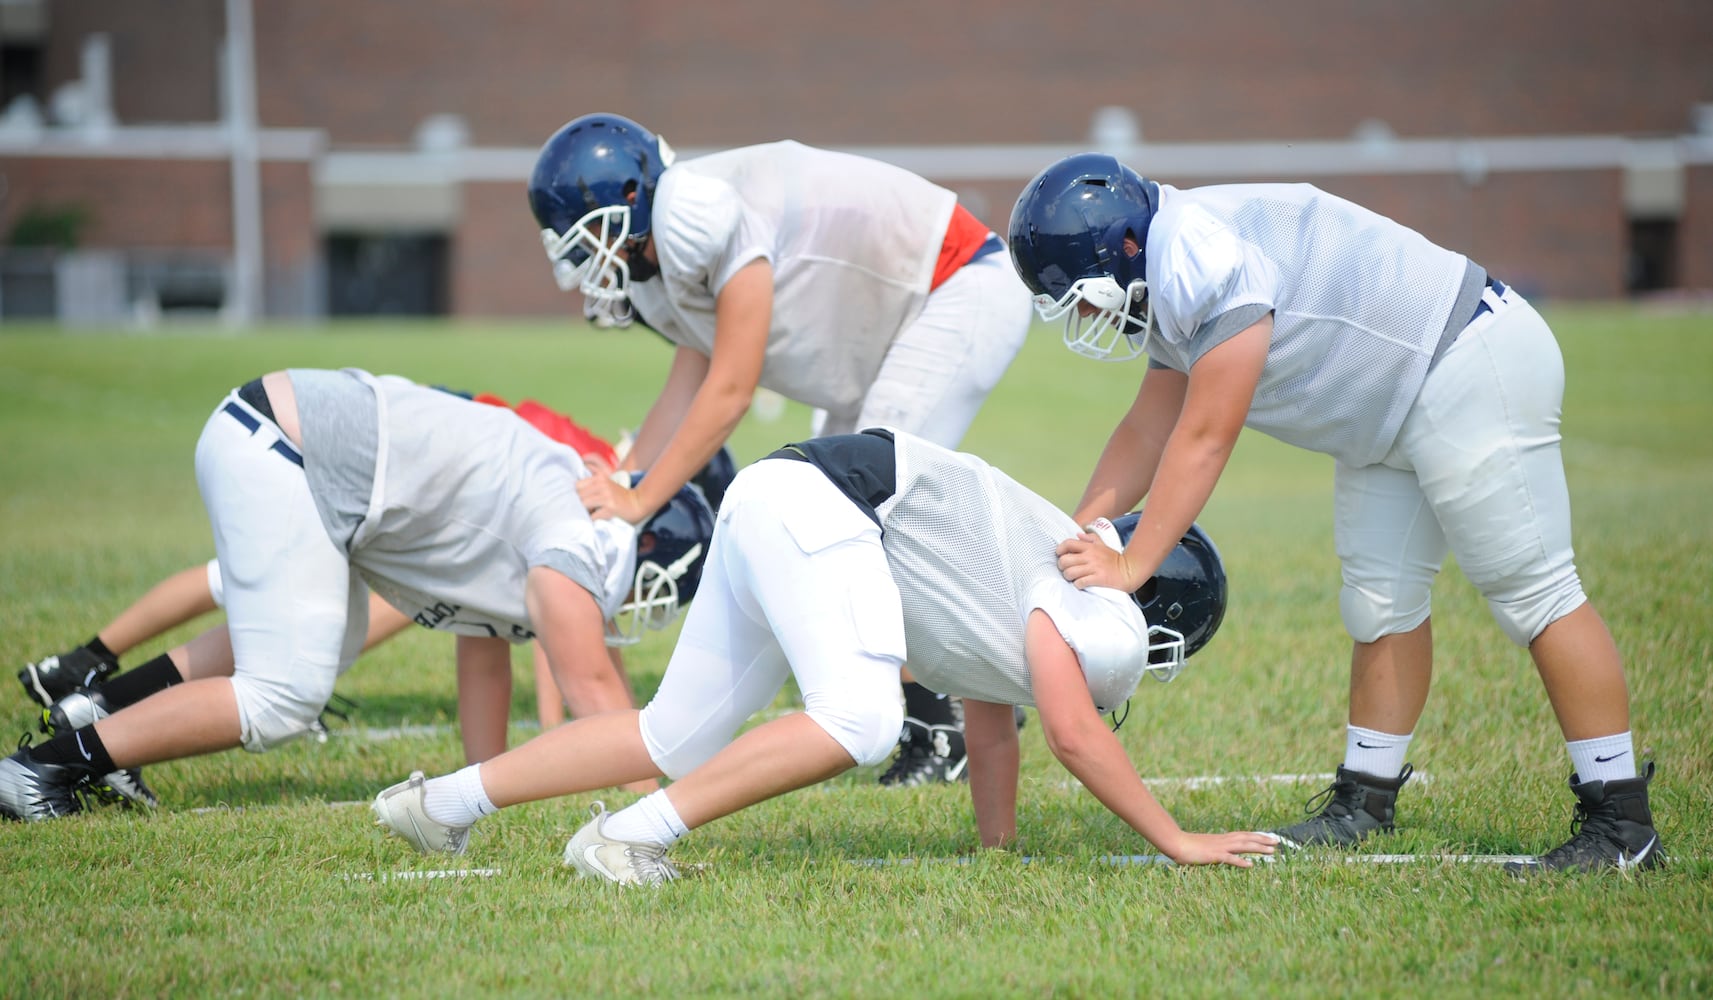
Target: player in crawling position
320, 485
829, 558
86, 682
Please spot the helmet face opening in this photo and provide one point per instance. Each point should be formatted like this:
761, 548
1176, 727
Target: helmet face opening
591, 192
1111, 330
586, 258
654, 601
671, 548
1166, 656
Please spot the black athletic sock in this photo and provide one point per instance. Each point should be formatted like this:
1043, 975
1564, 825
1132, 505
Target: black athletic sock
100, 649
81, 749
134, 685
928, 706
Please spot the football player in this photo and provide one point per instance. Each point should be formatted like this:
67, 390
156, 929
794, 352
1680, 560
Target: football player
1435, 387
90, 673
322, 485
850, 285
829, 558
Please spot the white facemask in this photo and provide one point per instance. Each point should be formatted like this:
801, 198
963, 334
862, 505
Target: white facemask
1102, 336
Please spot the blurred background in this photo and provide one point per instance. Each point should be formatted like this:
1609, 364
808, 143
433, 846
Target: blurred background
237, 161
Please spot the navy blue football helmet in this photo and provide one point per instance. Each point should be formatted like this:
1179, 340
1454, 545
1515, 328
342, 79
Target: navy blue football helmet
1184, 601
716, 477
1067, 243
671, 547
581, 193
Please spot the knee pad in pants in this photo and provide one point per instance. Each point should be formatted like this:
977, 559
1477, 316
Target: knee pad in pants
270, 714
866, 728
1369, 616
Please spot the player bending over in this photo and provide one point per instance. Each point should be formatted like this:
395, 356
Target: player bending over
1437, 390
841, 282
321, 485
802, 581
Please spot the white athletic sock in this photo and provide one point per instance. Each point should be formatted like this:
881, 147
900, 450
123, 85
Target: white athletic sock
1604, 758
651, 821
1373, 752
457, 799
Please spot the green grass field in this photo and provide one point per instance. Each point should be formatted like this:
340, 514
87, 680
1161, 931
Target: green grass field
257, 878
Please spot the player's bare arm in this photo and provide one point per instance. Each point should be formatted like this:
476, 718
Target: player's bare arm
990, 736
1126, 468
484, 695
689, 368
1080, 739
743, 312
1216, 403
569, 626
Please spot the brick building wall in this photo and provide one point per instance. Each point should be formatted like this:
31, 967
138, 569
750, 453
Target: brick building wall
368, 72
1695, 231
498, 268
962, 71
178, 205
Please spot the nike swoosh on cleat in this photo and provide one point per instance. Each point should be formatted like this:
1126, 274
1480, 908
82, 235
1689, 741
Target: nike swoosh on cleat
1608, 760
592, 855
86, 754
1640, 856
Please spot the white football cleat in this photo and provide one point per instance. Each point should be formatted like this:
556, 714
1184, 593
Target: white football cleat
401, 810
594, 854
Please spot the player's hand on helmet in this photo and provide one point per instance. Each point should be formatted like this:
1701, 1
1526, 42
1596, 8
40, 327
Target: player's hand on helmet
1222, 848
603, 495
1089, 562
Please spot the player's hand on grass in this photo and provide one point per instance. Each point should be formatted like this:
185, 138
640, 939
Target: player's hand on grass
1222, 848
1089, 562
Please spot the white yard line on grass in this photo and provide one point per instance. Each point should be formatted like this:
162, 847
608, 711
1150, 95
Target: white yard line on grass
408, 876
1125, 860
1215, 780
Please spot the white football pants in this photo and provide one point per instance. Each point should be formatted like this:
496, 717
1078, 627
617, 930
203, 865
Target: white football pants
1476, 467
941, 368
297, 611
795, 584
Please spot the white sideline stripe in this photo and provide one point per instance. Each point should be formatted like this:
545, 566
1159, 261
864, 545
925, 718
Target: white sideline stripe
1197, 781
1124, 860
1215, 780
418, 876
382, 734
265, 806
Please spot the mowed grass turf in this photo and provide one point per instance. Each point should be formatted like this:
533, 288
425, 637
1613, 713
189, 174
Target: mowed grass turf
256, 879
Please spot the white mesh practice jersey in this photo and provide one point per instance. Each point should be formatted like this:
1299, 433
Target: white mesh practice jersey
467, 498
853, 244
1359, 304
973, 553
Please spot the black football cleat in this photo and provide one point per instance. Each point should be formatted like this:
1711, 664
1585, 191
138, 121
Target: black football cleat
1355, 805
1612, 828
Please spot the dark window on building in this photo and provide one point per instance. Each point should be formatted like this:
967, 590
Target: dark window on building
21, 73
392, 274
1653, 255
